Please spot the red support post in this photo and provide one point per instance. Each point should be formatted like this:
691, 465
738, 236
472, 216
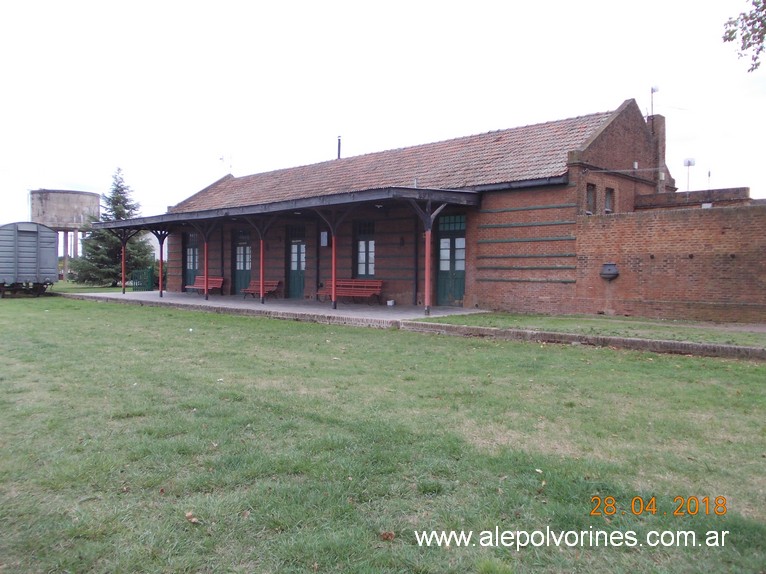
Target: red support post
334, 274
205, 268
261, 269
428, 288
123, 268
161, 235
160, 269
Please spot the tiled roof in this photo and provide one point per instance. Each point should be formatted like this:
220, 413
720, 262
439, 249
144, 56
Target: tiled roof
506, 156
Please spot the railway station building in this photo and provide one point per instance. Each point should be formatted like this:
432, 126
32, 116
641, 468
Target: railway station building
579, 215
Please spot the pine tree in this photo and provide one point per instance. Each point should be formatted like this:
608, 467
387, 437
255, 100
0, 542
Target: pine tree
101, 261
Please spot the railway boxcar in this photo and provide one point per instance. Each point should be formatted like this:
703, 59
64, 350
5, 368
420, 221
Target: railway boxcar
28, 258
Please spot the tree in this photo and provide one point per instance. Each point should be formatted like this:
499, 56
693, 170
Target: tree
750, 29
101, 261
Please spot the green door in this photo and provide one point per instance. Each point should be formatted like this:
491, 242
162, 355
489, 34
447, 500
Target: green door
450, 279
296, 280
243, 257
191, 258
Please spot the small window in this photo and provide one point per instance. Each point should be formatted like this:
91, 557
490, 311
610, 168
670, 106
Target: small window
452, 223
609, 200
590, 199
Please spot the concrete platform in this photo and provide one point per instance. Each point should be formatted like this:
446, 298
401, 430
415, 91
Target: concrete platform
347, 313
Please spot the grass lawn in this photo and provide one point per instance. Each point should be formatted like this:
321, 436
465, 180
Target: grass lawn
743, 334
138, 439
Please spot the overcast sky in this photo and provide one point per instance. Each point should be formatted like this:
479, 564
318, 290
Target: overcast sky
165, 89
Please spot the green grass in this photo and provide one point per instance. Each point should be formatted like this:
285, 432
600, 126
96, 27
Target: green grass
743, 334
136, 439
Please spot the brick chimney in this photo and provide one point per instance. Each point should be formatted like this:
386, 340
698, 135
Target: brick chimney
662, 177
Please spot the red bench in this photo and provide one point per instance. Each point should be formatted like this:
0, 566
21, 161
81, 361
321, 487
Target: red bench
212, 283
270, 286
363, 288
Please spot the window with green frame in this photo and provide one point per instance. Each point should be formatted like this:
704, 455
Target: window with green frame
364, 248
243, 252
452, 223
192, 251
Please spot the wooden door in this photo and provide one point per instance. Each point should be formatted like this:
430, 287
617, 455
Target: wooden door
450, 278
296, 274
243, 257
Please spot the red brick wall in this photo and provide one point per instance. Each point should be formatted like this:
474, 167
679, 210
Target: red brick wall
521, 250
682, 264
522, 246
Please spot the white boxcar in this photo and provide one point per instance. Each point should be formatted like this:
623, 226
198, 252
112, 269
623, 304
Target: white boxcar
28, 257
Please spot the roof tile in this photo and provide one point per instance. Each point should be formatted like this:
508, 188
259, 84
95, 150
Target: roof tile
505, 156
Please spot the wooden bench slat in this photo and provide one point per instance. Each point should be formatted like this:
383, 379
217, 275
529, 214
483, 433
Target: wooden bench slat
353, 288
213, 282
269, 286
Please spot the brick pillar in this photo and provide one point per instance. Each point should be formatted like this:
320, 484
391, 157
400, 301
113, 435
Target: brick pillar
657, 126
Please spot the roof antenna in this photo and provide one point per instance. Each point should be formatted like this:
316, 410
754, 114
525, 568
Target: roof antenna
338, 147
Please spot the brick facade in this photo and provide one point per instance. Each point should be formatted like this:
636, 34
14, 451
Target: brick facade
530, 251
535, 245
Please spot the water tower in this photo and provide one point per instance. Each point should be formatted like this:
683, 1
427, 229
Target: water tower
64, 211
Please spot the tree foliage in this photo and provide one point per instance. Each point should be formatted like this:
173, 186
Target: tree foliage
749, 29
101, 261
